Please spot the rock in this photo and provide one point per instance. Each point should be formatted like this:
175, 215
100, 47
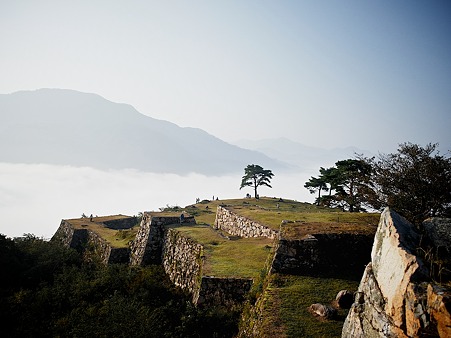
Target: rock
439, 303
438, 231
323, 311
394, 262
388, 294
344, 299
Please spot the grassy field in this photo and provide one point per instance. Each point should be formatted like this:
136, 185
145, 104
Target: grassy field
286, 298
240, 257
286, 302
272, 211
116, 238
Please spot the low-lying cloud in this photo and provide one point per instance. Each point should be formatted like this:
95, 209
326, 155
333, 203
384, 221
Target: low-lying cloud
35, 197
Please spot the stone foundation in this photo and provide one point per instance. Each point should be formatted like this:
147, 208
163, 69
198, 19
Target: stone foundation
182, 261
91, 244
325, 255
237, 225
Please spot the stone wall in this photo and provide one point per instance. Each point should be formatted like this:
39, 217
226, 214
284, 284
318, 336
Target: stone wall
156, 243
91, 244
147, 246
324, 255
225, 291
237, 225
122, 223
98, 248
70, 237
182, 261
396, 297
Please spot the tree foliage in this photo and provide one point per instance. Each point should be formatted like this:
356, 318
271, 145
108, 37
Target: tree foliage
317, 184
255, 176
47, 291
415, 181
347, 183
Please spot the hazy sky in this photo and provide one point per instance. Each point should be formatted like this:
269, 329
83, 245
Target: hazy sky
370, 74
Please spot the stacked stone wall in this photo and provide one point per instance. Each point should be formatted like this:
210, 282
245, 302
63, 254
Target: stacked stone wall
324, 255
70, 237
147, 246
90, 244
226, 291
123, 223
182, 261
237, 225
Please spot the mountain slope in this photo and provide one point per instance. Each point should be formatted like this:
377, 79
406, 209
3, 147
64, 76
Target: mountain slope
300, 155
67, 127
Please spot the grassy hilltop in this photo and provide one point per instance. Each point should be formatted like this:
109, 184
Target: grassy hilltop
283, 300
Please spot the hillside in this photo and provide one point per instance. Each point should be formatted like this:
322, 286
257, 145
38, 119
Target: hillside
67, 127
342, 242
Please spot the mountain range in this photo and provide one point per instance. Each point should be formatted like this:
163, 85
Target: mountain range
66, 127
307, 158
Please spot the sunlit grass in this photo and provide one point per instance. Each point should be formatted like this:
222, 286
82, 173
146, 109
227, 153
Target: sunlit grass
272, 211
238, 257
288, 297
116, 238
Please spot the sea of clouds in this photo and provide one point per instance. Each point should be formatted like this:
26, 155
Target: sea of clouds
34, 198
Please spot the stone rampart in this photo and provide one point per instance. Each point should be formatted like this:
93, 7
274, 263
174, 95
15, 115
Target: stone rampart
147, 246
237, 225
121, 223
324, 255
91, 244
182, 261
101, 249
156, 243
70, 237
225, 291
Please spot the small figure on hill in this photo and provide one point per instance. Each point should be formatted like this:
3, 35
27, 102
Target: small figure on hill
90, 217
83, 215
197, 200
182, 218
217, 198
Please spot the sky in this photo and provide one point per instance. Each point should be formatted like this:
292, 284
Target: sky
369, 74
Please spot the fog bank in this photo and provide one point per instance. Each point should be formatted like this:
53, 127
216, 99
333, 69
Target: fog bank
35, 197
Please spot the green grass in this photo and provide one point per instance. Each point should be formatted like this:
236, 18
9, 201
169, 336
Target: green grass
241, 257
116, 238
286, 303
271, 212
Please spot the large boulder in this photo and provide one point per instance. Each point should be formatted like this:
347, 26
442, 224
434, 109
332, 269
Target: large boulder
323, 311
439, 305
389, 301
344, 299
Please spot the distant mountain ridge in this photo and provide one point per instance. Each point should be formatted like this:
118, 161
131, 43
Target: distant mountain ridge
66, 127
305, 157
